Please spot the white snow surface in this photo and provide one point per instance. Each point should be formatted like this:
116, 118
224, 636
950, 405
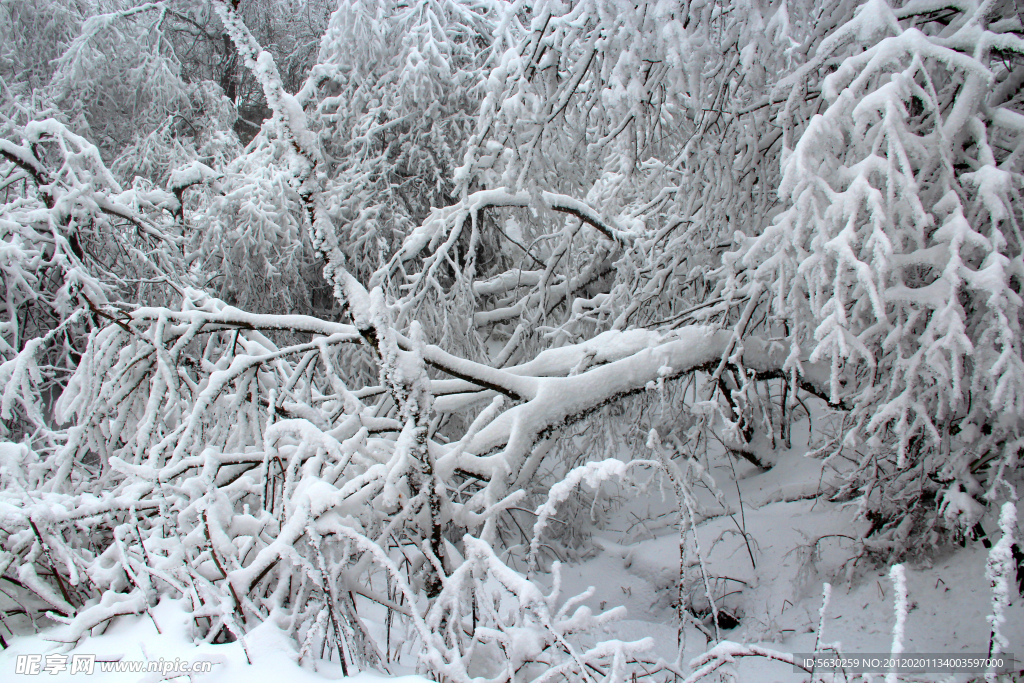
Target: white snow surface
164, 633
634, 561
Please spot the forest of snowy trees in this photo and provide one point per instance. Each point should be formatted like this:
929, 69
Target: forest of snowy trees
363, 319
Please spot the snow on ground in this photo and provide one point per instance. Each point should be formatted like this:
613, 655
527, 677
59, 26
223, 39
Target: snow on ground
274, 657
778, 606
777, 601
797, 544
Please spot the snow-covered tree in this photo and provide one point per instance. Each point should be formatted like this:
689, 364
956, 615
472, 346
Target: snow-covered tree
291, 380
897, 259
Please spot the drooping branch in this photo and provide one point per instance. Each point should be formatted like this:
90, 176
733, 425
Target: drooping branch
451, 218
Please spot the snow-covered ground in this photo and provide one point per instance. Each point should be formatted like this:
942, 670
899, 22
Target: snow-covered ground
797, 542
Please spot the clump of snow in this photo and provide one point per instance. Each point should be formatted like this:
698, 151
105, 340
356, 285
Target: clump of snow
193, 174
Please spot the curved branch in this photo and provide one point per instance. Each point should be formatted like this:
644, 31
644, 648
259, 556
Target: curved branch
560, 401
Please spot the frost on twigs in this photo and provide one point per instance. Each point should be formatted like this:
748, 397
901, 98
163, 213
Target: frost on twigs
899, 590
1001, 570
